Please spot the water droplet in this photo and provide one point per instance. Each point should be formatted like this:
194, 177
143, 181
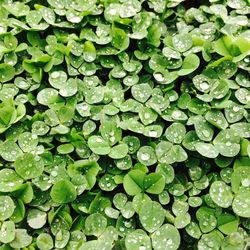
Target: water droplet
245, 182
152, 133
204, 85
145, 157
236, 109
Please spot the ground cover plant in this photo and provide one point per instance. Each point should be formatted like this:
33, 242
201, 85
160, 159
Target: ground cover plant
124, 124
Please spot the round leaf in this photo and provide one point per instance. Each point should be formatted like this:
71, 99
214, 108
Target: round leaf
6, 207
167, 237
221, 194
29, 166
63, 191
151, 216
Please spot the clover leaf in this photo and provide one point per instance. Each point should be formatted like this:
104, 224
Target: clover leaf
10, 180
6, 207
95, 224
133, 182
221, 194
63, 191
146, 155
7, 72
241, 204
166, 235
28, 166
36, 218
7, 233
151, 216
206, 149
120, 39
227, 143
98, 145
119, 151
44, 241
22, 239
138, 239
190, 64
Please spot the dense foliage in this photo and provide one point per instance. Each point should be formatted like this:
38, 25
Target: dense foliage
124, 124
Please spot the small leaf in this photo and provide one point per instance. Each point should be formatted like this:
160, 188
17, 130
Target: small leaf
36, 218
29, 166
206, 149
63, 191
182, 42
190, 64
6, 207
120, 39
151, 216
175, 132
146, 155
9, 180
119, 151
98, 145
138, 239
7, 72
7, 231
44, 241
95, 224
241, 204
227, 143
154, 183
167, 236
22, 239
133, 182
221, 194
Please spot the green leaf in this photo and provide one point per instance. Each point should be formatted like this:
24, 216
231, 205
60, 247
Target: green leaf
227, 143
9, 180
27, 141
6, 207
193, 230
29, 166
17, 8
120, 39
36, 218
95, 224
138, 239
221, 194
63, 191
175, 133
7, 112
182, 42
146, 155
190, 64
89, 51
227, 223
98, 145
151, 216
22, 239
206, 149
44, 241
47, 96
133, 182
154, 183
154, 35
9, 151
7, 231
57, 79
166, 171
7, 72
241, 204
119, 151
167, 235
